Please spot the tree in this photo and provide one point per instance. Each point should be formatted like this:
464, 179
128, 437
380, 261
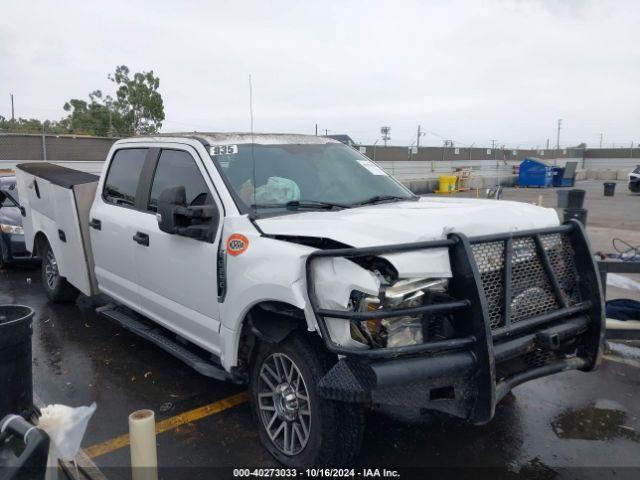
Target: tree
138, 101
92, 118
137, 109
31, 125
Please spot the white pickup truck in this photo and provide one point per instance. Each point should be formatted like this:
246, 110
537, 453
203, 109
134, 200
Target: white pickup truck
295, 264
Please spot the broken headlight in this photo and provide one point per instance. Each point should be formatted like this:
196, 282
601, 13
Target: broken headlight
395, 331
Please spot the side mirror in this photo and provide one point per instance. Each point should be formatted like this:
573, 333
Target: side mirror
174, 217
171, 198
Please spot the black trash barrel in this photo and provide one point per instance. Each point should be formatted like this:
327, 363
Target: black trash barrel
15, 360
579, 214
609, 189
575, 198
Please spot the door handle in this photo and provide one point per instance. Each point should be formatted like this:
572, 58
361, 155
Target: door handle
141, 238
95, 223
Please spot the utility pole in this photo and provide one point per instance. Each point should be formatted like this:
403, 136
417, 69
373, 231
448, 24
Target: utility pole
495, 157
316, 129
547, 144
418, 138
558, 136
13, 116
601, 138
326, 132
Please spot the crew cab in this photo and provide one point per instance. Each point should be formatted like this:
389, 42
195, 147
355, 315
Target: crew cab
295, 264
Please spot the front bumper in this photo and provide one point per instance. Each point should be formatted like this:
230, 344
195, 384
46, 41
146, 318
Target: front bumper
634, 185
495, 347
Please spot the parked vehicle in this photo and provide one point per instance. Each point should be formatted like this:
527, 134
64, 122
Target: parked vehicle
12, 247
634, 180
295, 264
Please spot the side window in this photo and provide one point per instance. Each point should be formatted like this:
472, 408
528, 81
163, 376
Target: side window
122, 178
176, 168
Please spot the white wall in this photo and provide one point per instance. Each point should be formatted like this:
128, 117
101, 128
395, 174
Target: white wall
409, 170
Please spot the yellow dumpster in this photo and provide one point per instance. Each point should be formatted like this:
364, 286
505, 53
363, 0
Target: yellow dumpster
446, 184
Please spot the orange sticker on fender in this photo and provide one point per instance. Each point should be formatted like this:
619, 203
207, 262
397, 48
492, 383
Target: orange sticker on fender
236, 244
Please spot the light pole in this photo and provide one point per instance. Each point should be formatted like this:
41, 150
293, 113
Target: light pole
558, 135
385, 134
374, 149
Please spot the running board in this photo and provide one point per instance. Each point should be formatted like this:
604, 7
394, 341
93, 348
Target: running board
156, 336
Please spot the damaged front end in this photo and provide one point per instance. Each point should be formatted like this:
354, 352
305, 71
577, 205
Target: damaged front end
516, 307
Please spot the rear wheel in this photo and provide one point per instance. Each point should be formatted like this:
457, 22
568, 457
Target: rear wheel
57, 288
296, 425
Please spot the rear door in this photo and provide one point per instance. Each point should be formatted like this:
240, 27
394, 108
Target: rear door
113, 220
177, 275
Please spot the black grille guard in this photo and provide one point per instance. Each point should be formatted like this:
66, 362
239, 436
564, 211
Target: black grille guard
477, 337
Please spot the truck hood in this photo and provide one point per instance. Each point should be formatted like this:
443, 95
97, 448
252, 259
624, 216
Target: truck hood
430, 218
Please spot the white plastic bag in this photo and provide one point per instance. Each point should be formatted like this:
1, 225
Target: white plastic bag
65, 427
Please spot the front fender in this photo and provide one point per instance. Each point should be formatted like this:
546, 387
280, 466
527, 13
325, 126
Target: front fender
269, 270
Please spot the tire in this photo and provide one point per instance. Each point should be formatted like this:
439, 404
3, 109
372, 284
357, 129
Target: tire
3, 264
56, 287
333, 433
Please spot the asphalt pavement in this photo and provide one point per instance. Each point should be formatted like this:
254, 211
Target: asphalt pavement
570, 425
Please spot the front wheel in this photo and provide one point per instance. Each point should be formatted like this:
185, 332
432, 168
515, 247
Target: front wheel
297, 426
56, 287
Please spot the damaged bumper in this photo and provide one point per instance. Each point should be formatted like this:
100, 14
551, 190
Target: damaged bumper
524, 305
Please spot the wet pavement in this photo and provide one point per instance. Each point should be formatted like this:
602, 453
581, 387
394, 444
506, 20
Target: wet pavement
571, 420
571, 425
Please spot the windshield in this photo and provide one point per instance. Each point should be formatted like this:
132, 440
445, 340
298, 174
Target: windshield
637, 170
290, 176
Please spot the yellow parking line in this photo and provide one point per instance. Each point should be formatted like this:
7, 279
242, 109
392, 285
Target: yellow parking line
170, 423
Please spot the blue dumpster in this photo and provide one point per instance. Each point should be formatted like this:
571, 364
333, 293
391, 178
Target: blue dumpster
564, 177
535, 173
558, 174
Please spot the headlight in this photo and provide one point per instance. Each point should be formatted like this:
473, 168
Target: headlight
395, 331
11, 229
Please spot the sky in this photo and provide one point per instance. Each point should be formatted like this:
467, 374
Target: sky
468, 71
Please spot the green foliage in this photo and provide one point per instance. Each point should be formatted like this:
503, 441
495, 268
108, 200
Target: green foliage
137, 109
138, 101
31, 125
90, 118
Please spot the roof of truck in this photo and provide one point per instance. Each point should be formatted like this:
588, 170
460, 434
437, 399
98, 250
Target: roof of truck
229, 138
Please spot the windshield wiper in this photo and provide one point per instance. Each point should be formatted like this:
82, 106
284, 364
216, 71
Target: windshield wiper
383, 198
306, 204
295, 204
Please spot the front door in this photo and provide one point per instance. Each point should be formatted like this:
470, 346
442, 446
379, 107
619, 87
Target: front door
176, 274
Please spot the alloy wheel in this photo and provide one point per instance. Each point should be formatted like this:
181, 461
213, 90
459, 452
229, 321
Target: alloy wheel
283, 400
50, 269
